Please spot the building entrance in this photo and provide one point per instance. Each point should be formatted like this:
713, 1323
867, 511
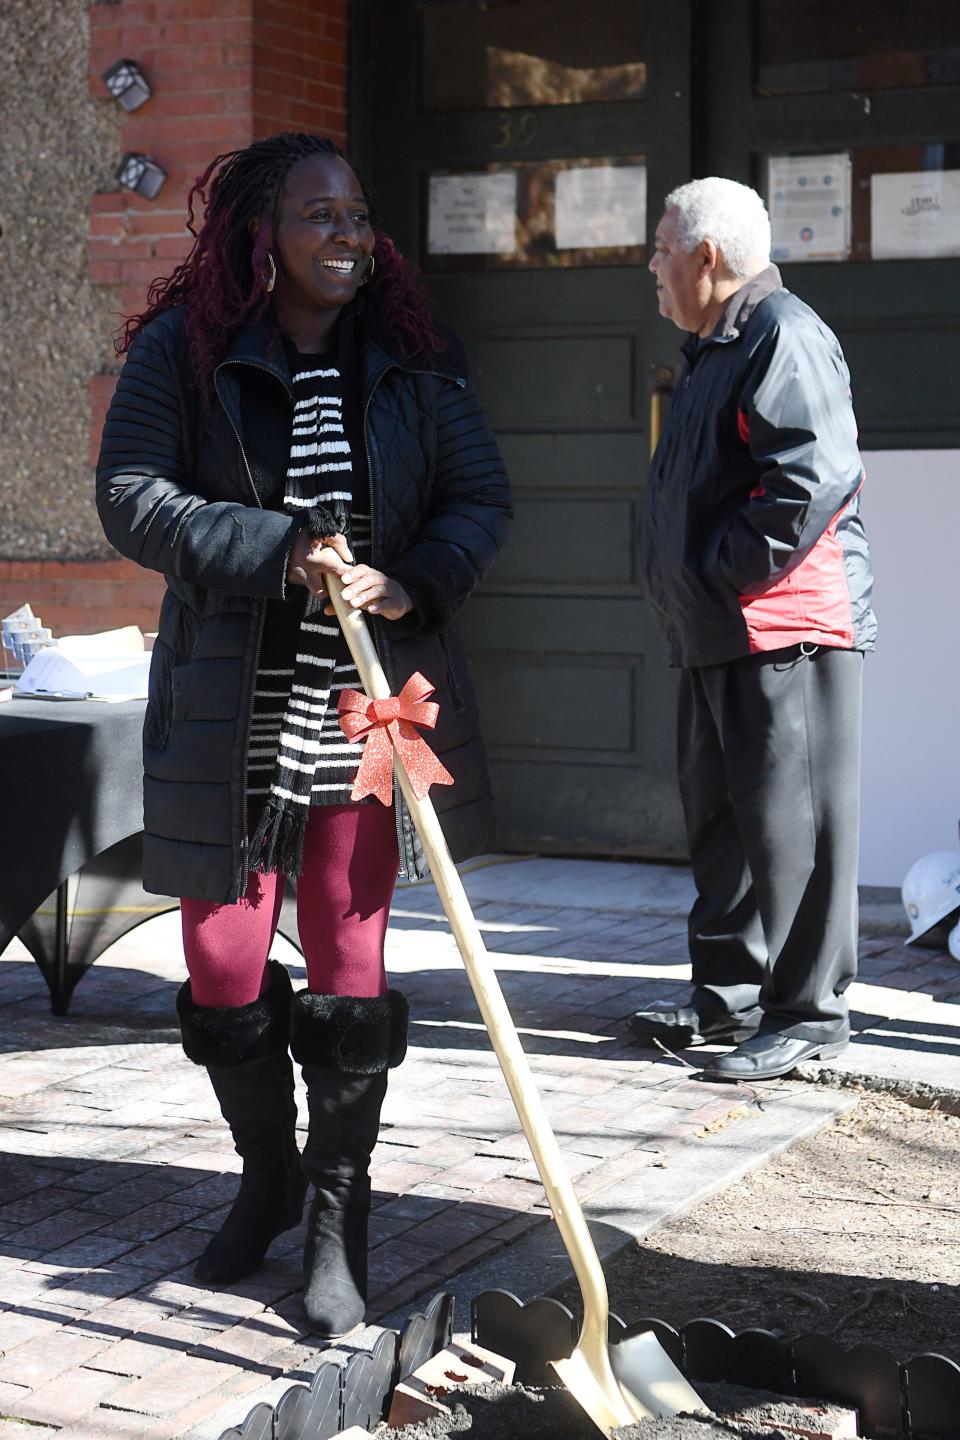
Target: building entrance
518, 155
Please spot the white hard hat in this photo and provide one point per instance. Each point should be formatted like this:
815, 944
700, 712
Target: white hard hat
953, 942
931, 891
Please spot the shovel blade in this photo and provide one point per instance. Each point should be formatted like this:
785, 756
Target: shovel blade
597, 1393
634, 1380
644, 1371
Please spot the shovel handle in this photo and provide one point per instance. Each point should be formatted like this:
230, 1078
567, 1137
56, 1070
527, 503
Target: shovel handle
493, 1008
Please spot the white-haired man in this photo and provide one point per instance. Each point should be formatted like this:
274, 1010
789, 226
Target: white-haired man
758, 573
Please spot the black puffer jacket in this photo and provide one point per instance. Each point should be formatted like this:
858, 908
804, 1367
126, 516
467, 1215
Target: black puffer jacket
179, 490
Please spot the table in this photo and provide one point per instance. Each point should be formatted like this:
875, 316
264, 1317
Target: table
71, 839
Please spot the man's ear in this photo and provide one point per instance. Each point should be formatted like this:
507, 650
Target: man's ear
712, 260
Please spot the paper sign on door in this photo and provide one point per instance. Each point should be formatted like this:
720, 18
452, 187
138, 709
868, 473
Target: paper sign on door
915, 216
809, 204
473, 214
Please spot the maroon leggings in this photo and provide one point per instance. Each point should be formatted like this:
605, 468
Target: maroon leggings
343, 902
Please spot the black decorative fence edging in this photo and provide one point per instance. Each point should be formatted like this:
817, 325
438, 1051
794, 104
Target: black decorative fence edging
917, 1400
355, 1392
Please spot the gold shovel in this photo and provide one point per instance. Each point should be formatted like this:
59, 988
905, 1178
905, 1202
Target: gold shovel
647, 1383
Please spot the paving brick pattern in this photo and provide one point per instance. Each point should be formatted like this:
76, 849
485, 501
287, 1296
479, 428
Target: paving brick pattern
115, 1164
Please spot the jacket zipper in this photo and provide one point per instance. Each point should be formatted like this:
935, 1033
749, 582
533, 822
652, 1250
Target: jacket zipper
261, 617
399, 804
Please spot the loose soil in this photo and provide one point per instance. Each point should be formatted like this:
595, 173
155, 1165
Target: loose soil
854, 1233
509, 1412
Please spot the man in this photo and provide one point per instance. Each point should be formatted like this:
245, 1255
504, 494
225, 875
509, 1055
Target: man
758, 574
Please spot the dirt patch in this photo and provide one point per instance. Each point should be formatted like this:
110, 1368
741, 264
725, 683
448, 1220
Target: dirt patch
506, 1412
854, 1233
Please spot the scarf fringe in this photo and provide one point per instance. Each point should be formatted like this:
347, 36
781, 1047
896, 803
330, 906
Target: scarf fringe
277, 843
324, 520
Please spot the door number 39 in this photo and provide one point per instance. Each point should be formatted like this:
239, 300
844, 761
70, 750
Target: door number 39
513, 129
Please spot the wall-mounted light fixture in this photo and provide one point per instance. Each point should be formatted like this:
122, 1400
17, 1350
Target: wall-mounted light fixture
127, 84
141, 174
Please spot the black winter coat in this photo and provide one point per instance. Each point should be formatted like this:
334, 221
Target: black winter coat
179, 490
751, 538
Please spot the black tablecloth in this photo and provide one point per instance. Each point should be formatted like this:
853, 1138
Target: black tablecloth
72, 786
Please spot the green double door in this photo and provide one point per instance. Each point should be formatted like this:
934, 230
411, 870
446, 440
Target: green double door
520, 152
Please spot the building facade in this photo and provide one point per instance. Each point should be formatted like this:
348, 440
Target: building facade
520, 150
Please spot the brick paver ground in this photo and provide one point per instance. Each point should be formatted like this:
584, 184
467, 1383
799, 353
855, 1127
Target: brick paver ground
115, 1164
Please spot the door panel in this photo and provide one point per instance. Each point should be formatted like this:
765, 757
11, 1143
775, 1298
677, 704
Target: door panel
580, 380
892, 107
577, 700
542, 532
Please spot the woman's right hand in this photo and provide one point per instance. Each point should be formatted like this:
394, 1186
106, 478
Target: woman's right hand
311, 559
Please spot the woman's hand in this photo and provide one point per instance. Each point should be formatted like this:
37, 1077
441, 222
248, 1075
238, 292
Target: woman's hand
312, 559
367, 589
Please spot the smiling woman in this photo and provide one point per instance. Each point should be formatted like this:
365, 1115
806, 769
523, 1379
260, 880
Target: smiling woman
290, 410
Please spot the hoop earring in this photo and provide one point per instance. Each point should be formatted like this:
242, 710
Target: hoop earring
272, 277
368, 274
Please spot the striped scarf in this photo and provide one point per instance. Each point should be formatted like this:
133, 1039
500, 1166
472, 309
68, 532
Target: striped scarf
318, 488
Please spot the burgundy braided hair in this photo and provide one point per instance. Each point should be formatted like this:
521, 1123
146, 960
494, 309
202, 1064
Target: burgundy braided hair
221, 283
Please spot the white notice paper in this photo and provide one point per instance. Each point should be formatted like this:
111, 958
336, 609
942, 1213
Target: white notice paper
915, 216
599, 206
111, 665
78, 677
809, 203
473, 214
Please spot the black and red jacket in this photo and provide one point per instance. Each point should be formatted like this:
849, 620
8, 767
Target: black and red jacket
751, 538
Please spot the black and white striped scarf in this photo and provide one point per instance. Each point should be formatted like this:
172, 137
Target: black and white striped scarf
318, 488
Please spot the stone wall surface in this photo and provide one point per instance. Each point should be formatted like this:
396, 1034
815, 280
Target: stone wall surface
59, 146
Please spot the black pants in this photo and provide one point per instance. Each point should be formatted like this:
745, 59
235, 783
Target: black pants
769, 758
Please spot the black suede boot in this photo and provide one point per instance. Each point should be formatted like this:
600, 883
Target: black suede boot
245, 1052
345, 1045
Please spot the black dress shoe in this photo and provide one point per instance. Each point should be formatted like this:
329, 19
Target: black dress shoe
683, 1027
768, 1056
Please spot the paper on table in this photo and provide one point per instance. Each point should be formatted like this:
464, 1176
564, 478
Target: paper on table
54, 674
473, 214
809, 201
915, 216
600, 206
127, 640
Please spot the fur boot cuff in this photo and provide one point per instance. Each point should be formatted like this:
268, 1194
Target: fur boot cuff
215, 1035
348, 1033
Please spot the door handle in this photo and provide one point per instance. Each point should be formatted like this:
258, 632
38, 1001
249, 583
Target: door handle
658, 394
662, 390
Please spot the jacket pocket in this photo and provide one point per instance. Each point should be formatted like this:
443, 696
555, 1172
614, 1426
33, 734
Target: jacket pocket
207, 689
452, 664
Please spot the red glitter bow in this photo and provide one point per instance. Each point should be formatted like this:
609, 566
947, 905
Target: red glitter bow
388, 726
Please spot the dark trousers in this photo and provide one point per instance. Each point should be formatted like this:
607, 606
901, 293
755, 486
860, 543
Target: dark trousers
769, 758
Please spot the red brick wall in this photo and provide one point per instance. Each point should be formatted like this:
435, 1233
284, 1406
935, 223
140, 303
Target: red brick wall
223, 72
76, 597
198, 58
300, 67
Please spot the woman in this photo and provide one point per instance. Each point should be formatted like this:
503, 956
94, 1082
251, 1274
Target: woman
288, 410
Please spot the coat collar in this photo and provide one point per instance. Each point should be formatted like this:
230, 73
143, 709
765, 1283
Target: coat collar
738, 310
262, 346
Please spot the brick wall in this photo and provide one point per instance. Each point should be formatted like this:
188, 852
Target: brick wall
223, 72
76, 597
300, 67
